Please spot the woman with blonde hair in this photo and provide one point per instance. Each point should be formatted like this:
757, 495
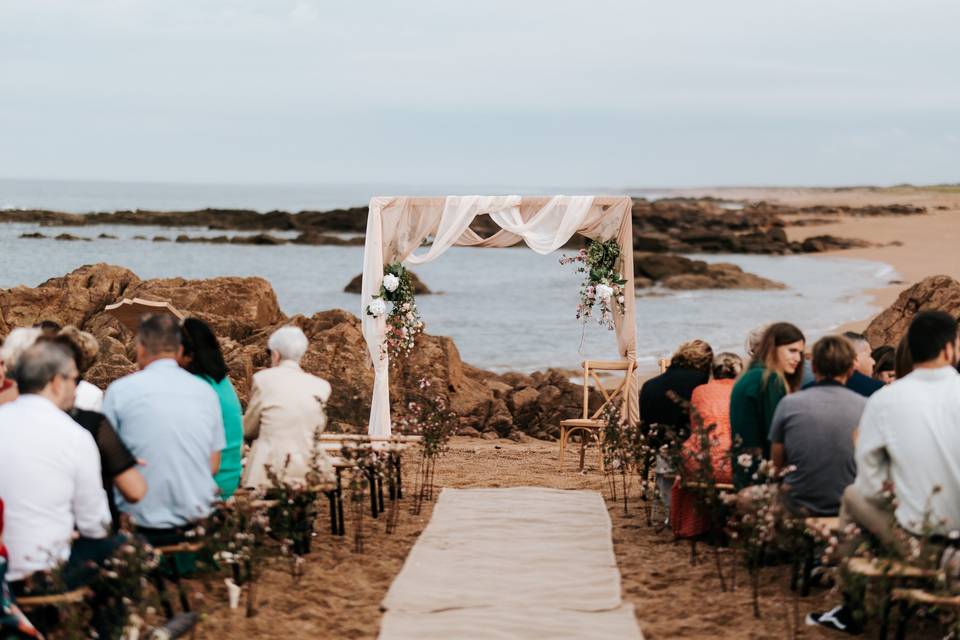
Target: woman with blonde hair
19, 340
775, 371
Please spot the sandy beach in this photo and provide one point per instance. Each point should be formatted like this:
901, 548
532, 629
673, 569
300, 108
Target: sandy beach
928, 243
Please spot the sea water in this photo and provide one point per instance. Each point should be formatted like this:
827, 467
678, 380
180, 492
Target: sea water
506, 309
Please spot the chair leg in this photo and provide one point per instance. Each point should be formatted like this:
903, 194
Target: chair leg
600, 450
583, 449
563, 445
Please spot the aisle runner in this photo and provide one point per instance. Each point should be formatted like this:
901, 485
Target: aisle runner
511, 563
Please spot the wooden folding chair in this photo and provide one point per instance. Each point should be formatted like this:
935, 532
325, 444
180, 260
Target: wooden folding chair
594, 423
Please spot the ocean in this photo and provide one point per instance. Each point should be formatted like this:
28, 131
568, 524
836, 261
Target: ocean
506, 309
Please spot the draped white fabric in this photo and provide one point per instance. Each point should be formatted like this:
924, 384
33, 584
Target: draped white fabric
551, 227
396, 227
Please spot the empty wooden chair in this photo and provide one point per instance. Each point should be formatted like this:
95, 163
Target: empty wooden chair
593, 423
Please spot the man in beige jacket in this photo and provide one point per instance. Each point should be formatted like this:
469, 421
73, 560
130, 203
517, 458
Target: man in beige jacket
286, 407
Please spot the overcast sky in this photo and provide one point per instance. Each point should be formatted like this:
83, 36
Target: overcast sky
634, 93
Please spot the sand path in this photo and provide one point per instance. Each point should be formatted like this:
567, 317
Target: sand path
521, 562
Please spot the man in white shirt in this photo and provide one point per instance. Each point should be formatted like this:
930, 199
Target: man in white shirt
50, 474
910, 437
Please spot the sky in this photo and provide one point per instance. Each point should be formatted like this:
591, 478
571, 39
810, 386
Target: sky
626, 94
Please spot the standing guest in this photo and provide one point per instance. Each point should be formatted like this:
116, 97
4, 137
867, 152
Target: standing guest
118, 467
50, 475
17, 341
709, 410
172, 420
813, 431
910, 436
862, 380
885, 369
286, 407
689, 368
775, 371
202, 357
89, 396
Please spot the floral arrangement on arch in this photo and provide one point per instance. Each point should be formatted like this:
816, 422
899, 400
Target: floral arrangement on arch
403, 321
602, 288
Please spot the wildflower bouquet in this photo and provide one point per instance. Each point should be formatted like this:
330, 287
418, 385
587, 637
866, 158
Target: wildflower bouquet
603, 285
403, 321
430, 417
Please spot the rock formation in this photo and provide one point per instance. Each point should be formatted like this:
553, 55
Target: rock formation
936, 292
244, 312
678, 272
419, 288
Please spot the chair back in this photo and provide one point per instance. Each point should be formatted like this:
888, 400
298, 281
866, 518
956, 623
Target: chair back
618, 394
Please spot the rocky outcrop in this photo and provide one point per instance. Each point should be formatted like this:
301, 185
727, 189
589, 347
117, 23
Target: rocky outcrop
419, 288
678, 272
244, 312
937, 292
668, 225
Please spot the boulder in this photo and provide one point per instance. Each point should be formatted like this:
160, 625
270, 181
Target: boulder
817, 244
232, 306
721, 275
937, 292
71, 299
419, 288
678, 272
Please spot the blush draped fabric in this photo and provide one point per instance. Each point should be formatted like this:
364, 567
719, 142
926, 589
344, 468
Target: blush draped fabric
398, 226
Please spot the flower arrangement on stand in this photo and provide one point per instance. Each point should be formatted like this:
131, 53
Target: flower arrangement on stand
430, 417
603, 286
403, 320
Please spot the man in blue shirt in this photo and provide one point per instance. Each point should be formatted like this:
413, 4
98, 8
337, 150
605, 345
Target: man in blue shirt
171, 420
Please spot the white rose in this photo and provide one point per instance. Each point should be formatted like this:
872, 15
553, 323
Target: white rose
603, 291
376, 308
391, 282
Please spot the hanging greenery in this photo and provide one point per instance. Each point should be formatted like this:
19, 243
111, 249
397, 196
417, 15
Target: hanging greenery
602, 287
403, 320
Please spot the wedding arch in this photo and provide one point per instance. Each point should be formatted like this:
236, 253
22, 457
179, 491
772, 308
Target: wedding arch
398, 226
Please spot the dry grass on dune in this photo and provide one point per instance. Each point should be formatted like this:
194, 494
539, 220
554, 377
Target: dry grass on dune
340, 592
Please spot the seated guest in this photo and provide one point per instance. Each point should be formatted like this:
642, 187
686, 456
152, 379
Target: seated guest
910, 436
202, 357
17, 341
118, 467
286, 407
89, 396
862, 380
709, 410
170, 419
904, 362
813, 431
8, 388
885, 369
48, 328
50, 475
689, 368
775, 371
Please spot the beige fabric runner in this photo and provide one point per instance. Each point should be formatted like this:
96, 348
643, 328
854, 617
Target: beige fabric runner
523, 562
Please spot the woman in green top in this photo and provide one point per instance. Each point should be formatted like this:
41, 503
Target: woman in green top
775, 371
203, 358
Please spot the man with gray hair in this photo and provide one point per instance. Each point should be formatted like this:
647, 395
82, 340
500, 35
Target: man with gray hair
286, 407
861, 380
50, 474
171, 419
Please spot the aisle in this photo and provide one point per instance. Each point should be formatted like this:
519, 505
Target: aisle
522, 562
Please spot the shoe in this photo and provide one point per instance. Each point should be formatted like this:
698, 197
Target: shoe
838, 619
